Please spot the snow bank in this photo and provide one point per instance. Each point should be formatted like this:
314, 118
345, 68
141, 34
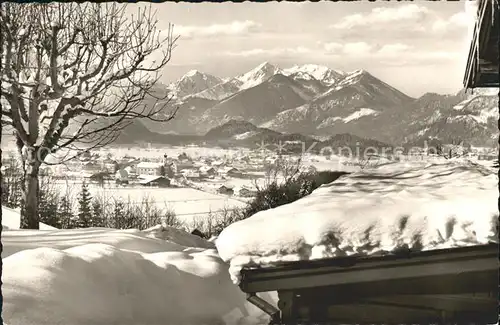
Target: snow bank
102, 276
11, 219
419, 207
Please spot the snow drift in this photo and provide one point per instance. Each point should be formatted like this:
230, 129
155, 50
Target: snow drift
11, 219
102, 276
395, 207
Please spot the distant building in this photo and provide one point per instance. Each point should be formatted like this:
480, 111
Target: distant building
170, 170
246, 192
110, 165
99, 177
207, 171
180, 165
231, 171
149, 168
89, 167
183, 157
159, 181
191, 174
487, 157
130, 169
225, 189
218, 163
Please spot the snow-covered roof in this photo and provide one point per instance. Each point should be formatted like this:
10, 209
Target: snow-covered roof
218, 163
228, 169
419, 198
148, 164
150, 178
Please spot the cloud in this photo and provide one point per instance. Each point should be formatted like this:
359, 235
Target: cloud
402, 13
269, 52
356, 48
454, 23
333, 47
235, 28
389, 54
393, 49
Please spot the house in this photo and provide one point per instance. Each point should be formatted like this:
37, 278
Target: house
231, 171
186, 164
130, 169
245, 159
183, 157
110, 165
151, 180
99, 177
170, 170
89, 167
218, 163
190, 174
246, 192
487, 157
207, 171
149, 168
225, 189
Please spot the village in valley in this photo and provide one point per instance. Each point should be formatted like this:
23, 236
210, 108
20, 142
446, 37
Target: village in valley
231, 172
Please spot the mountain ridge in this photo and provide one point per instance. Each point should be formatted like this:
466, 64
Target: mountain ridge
319, 101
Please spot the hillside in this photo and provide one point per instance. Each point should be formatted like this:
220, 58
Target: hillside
258, 103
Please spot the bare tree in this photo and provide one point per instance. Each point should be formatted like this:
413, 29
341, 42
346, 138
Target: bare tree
282, 171
456, 149
72, 76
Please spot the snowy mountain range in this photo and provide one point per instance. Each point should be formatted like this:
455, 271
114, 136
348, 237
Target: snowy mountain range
315, 100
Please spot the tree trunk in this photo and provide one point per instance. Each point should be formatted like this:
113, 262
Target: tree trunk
29, 206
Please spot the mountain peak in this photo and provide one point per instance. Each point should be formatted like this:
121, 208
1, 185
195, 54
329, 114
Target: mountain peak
192, 73
318, 72
193, 82
358, 72
259, 74
265, 65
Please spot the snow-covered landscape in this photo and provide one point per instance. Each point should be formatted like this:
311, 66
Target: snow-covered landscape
278, 163
105, 276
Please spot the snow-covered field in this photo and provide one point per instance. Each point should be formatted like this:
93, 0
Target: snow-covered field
102, 276
11, 220
420, 207
187, 203
172, 151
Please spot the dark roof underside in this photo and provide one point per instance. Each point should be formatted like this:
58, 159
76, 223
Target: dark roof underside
482, 69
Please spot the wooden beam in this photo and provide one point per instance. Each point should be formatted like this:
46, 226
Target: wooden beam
355, 271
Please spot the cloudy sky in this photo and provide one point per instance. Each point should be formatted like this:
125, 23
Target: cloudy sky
417, 47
